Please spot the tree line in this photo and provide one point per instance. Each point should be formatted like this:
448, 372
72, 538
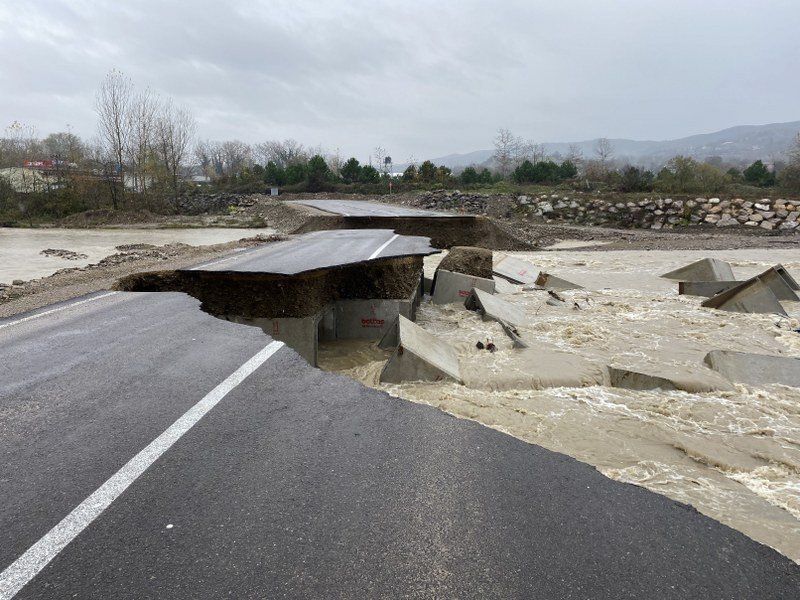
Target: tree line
525, 162
146, 156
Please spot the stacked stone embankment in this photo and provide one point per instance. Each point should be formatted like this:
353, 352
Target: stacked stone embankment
196, 204
652, 212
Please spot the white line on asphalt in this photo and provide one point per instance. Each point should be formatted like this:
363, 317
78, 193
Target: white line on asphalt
214, 262
55, 310
383, 247
21, 571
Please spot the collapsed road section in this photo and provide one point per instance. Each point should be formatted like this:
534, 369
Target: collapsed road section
321, 286
444, 229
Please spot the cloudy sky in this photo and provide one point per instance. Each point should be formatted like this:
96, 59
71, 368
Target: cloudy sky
418, 78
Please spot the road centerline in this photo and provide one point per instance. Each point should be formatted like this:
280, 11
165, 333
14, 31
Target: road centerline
383, 246
19, 573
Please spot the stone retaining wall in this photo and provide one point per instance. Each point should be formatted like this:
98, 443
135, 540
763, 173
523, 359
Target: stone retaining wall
197, 204
647, 213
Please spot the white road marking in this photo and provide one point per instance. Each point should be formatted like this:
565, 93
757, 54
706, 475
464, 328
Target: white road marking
383, 247
214, 262
19, 573
55, 310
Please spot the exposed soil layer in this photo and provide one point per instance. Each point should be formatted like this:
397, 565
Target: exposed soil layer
267, 295
444, 232
476, 262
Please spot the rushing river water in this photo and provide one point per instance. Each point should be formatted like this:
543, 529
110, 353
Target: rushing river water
734, 455
20, 249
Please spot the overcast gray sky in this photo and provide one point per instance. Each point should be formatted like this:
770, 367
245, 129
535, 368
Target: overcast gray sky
418, 78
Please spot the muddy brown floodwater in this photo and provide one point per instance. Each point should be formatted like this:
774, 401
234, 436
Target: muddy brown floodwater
734, 455
21, 248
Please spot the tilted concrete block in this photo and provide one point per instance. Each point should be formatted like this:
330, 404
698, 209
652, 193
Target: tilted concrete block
515, 269
705, 289
781, 270
780, 282
551, 282
456, 287
755, 369
690, 380
751, 296
706, 269
418, 356
492, 307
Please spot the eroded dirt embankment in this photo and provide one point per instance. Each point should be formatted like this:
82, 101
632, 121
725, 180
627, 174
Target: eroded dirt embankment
270, 295
443, 232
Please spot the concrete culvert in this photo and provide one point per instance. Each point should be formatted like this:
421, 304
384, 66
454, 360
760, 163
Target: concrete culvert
269, 295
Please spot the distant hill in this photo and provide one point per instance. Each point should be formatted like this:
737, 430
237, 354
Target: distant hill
735, 145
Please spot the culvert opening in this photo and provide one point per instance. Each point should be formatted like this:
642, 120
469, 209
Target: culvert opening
357, 301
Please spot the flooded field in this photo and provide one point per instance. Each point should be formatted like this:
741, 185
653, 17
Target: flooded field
732, 452
20, 248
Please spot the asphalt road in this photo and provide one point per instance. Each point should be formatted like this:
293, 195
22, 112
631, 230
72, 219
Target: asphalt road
302, 484
322, 249
360, 208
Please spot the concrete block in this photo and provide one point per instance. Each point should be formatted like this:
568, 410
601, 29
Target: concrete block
427, 284
551, 282
755, 369
371, 319
456, 287
419, 356
492, 307
503, 286
690, 380
704, 288
515, 270
368, 319
706, 269
326, 329
790, 281
300, 334
780, 282
751, 296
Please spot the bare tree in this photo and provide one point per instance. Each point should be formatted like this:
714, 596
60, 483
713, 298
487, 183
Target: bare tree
211, 156
538, 152
283, 154
113, 105
511, 151
236, 156
794, 151
334, 161
505, 149
18, 145
522, 150
604, 151
380, 158
575, 154
66, 146
142, 122
175, 127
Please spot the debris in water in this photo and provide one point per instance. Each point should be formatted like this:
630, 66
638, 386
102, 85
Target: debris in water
706, 269
547, 281
65, 254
